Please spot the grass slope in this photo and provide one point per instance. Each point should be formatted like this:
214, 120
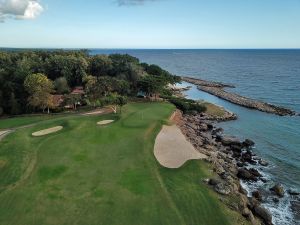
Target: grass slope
89, 174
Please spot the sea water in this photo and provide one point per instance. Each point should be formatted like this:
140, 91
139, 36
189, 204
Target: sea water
269, 75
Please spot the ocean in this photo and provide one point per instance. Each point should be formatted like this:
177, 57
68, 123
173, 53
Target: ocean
272, 76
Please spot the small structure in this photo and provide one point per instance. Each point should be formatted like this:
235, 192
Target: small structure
141, 94
78, 91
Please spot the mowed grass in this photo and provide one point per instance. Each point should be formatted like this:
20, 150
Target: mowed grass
23, 121
92, 175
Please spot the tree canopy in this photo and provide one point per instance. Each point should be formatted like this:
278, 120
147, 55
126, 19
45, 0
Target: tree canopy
28, 78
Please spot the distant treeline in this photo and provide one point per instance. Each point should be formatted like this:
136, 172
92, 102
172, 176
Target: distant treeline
29, 80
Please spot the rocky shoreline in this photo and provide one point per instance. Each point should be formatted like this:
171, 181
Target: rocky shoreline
232, 160
217, 89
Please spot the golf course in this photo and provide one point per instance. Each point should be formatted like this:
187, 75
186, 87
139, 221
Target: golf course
91, 174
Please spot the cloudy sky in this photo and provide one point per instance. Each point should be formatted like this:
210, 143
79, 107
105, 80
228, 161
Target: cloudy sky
150, 23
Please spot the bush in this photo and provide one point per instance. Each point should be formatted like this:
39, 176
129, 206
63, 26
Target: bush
187, 105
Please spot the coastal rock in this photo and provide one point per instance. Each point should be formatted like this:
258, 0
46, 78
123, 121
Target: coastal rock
258, 195
213, 182
254, 172
243, 190
263, 162
264, 214
227, 141
278, 190
248, 143
295, 205
246, 174
252, 203
293, 192
217, 131
222, 188
236, 148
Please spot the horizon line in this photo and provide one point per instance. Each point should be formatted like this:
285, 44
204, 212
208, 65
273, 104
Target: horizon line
92, 48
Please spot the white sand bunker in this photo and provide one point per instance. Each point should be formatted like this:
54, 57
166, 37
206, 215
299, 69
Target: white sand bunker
172, 150
96, 112
47, 131
104, 122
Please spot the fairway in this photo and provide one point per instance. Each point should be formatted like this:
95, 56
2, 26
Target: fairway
87, 174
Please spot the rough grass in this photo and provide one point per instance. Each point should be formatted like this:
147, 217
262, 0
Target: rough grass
26, 120
214, 110
88, 174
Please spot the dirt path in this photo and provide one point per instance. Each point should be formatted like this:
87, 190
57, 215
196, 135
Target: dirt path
172, 150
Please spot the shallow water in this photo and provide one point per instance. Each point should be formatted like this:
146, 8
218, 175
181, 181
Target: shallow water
269, 75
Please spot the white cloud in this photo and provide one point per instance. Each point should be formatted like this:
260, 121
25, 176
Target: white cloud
20, 9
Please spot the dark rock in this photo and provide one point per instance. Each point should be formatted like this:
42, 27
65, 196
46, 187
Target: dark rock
278, 190
293, 192
222, 188
239, 164
295, 206
252, 203
226, 140
217, 131
247, 157
248, 143
236, 148
250, 174
264, 180
258, 195
254, 172
213, 182
264, 214
263, 162
243, 191
210, 126
203, 127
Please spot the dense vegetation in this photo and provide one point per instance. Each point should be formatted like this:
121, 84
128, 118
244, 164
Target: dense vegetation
87, 174
188, 106
30, 79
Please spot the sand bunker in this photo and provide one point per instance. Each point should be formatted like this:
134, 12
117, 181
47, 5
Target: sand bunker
97, 112
172, 150
47, 131
104, 122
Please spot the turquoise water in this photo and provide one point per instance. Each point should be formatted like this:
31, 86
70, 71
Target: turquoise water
269, 75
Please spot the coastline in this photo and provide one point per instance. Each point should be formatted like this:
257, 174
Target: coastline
207, 138
217, 89
237, 166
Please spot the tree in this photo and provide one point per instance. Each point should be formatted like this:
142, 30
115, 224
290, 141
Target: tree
100, 65
121, 101
61, 85
151, 85
92, 89
14, 105
39, 88
73, 100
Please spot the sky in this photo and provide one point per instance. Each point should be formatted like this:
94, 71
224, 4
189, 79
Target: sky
150, 24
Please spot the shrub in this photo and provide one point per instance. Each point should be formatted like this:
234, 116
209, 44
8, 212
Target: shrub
187, 105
